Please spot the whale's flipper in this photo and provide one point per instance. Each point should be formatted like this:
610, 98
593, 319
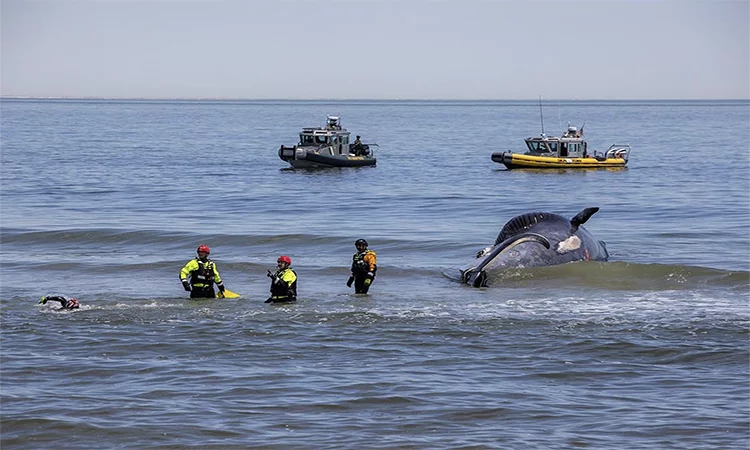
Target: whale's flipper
481, 277
582, 217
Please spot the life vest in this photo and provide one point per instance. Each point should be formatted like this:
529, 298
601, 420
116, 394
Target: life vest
359, 265
283, 290
204, 275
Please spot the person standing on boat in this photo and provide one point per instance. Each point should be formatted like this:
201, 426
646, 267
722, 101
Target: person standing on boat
364, 267
283, 282
203, 274
357, 147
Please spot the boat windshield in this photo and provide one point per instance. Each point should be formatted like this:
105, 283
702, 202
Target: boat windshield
538, 146
309, 139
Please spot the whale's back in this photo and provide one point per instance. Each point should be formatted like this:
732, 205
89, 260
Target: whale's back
526, 222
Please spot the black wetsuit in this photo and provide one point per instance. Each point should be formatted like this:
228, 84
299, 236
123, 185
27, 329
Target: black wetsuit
65, 302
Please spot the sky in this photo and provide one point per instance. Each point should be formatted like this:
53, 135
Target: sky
376, 49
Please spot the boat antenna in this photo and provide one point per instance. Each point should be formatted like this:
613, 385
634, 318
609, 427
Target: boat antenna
541, 114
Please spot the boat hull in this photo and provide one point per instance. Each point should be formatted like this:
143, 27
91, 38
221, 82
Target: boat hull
519, 161
304, 159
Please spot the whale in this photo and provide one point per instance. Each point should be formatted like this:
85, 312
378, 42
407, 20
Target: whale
536, 239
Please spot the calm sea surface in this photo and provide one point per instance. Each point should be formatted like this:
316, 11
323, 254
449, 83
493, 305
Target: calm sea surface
107, 200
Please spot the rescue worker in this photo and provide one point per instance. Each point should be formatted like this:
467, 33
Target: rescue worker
364, 267
283, 282
203, 274
65, 302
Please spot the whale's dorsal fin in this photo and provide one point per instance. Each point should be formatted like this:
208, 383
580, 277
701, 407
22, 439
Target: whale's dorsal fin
519, 224
582, 217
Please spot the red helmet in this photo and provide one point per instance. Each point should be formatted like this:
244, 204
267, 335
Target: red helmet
204, 248
285, 259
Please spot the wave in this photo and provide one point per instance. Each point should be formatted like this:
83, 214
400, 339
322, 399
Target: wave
612, 276
621, 276
142, 237
147, 253
570, 316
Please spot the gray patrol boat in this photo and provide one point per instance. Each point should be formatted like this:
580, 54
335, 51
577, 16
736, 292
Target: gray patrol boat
327, 146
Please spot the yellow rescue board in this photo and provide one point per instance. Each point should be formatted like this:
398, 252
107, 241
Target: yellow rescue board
229, 294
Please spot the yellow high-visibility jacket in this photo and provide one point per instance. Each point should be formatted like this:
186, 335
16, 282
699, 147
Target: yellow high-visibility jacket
201, 273
286, 288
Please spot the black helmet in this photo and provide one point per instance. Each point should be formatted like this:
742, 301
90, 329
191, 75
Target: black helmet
360, 242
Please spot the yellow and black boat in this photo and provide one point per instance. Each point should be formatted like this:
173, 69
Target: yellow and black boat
563, 152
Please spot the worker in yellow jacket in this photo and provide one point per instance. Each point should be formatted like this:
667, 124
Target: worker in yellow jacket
283, 282
202, 275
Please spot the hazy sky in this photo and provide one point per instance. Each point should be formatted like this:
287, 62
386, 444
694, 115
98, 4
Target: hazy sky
376, 49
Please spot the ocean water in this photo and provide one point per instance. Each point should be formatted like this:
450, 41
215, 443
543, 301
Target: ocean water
107, 200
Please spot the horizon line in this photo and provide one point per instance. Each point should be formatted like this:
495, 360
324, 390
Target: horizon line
30, 97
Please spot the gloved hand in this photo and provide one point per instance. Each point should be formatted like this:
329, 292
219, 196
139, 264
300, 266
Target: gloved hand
186, 285
221, 287
269, 300
350, 281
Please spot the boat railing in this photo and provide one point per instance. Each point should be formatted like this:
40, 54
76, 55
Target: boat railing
621, 151
365, 150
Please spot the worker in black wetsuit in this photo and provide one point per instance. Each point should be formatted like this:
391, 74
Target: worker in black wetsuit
65, 302
364, 267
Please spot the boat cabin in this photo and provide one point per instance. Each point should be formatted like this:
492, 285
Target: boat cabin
332, 135
569, 145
